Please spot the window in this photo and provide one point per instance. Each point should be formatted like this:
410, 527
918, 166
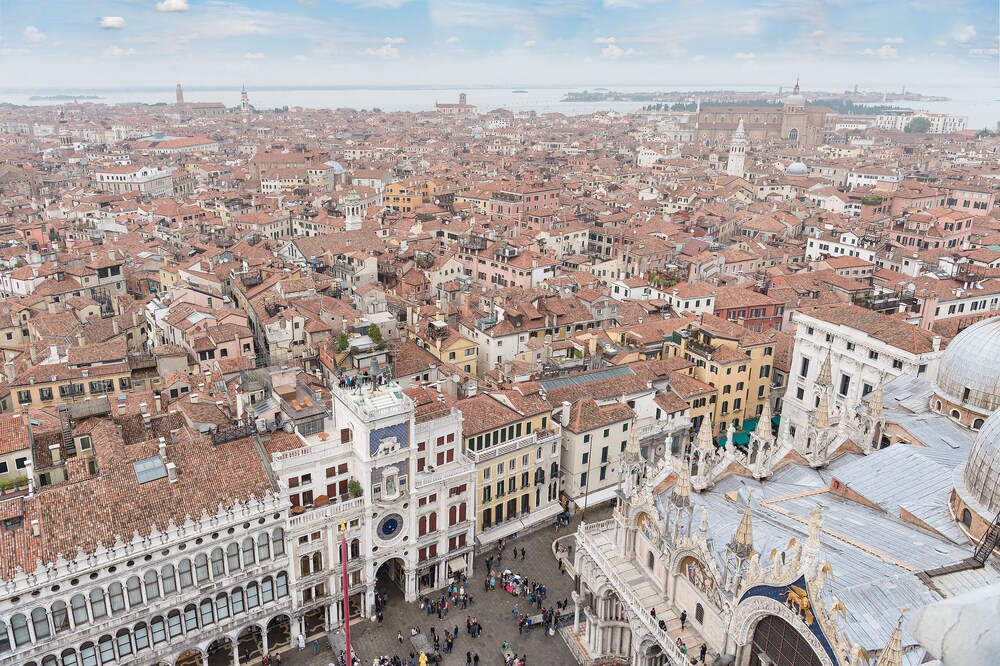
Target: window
248, 551
238, 601
78, 606
583, 479
149, 469
897, 364
190, 618
804, 369
167, 579
872, 354
24, 397
218, 563
850, 346
45, 394
98, 609
845, 384
207, 612
134, 587
800, 393
141, 633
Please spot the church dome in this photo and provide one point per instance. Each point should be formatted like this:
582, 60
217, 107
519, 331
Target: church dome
795, 100
982, 471
970, 368
796, 169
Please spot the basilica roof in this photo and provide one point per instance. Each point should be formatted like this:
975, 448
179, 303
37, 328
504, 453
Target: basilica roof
970, 368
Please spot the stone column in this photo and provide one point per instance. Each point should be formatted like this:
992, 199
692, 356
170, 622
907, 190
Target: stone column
204, 659
263, 640
236, 650
576, 612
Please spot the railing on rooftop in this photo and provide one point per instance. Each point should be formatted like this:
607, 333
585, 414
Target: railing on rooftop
532, 439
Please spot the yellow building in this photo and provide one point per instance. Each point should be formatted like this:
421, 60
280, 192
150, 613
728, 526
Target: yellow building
83, 373
407, 195
447, 345
736, 362
516, 448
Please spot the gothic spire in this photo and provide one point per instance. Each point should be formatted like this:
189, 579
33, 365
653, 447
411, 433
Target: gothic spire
742, 543
825, 377
764, 420
892, 655
682, 489
876, 406
703, 441
822, 418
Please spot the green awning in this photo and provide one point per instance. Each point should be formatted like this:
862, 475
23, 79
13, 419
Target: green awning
741, 439
750, 425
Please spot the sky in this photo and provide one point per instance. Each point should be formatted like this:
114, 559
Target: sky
139, 43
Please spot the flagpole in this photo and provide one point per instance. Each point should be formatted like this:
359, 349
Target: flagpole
344, 583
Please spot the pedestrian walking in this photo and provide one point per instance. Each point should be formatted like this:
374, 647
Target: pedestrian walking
684, 618
399, 637
315, 647
522, 553
475, 659
703, 652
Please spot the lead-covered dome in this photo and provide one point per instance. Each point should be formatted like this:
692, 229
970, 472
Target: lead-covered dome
796, 169
970, 368
982, 471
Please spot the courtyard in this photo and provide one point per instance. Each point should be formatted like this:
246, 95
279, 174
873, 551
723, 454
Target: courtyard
493, 610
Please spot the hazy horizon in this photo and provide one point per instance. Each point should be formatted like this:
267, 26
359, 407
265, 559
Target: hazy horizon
711, 43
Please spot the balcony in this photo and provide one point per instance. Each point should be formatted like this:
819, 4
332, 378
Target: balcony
372, 402
324, 514
450, 471
597, 541
536, 438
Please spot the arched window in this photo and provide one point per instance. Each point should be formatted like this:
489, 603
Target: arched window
218, 563
263, 547
158, 629
151, 585
69, 658
88, 654
554, 470
317, 561
793, 134
239, 602
190, 617
937, 405
722, 118
207, 612
184, 573
267, 590
432, 523
966, 517
305, 566
134, 587
462, 511
452, 515
699, 614
201, 568
955, 414
97, 607
40, 623
167, 579
278, 542
650, 561
106, 648
977, 424
356, 548
4, 638
78, 605
124, 642
756, 119
282, 585
222, 606
116, 597
174, 625
141, 634
19, 627
422, 526
49, 660
248, 551
60, 617
253, 595
233, 557
539, 475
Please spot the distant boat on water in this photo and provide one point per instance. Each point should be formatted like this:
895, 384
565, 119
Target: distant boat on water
520, 91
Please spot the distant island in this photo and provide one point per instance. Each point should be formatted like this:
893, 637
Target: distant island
520, 91
743, 97
60, 98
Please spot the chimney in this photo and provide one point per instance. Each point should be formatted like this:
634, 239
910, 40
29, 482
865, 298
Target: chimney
172, 472
121, 407
143, 407
564, 414
36, 530
54, 353
194, 398
157, 404
114, 326
163, 449
936, 343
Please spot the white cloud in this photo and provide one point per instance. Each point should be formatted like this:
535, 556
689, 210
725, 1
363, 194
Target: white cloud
984, 53
887, 51
377, 4
33, 34
118, 52
112, 22
301, 58
453, 40
172, 6
746, 57
450, 13
612, 51
387, 51
697, 58
816, 34
964, 34
256, 55
528, 44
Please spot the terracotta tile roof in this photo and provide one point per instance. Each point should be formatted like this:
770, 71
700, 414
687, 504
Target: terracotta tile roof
890, 330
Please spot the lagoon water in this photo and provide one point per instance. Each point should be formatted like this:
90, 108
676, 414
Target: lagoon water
981, 105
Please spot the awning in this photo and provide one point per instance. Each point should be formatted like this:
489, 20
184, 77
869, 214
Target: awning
456, 565
741, 439
500, 532
593, 499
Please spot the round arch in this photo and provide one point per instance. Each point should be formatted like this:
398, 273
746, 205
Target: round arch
220, 651
279, 631
750, 612
250, 643
190, 657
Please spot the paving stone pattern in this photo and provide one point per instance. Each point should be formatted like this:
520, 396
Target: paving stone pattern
494, 610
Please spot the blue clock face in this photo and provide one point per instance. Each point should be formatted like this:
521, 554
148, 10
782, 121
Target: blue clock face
389, 526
